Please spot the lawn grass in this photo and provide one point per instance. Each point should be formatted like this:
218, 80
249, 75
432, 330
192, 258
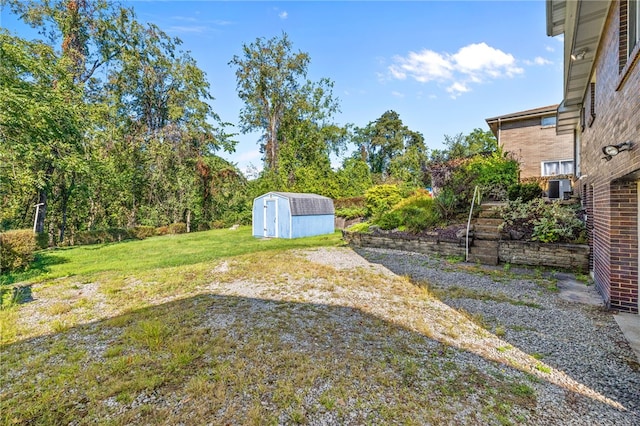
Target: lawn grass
131, 257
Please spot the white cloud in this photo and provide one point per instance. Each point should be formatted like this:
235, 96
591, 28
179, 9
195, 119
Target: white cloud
549, 49
475, 63
538, 60
197, 29
397, 94
283, 14
423, 66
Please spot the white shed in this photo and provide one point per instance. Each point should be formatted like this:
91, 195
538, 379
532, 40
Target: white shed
292, 215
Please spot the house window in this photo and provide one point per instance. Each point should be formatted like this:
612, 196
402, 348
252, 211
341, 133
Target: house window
634, 25
557, 167
629, 36
548, 121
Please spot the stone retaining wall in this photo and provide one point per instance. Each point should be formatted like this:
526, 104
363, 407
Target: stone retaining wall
430, 246
566, 256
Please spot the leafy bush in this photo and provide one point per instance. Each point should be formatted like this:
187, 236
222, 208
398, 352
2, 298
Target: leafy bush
456, 180
101, 236
494, 174
178, 228
538, 220
359, 227
351, 212
380, 199
42, 240
415, 213
524, 191
447, 204
162, 230
351, 202
218, 224
142, 232
16, 249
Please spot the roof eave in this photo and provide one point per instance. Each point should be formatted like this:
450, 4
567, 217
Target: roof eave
556, 10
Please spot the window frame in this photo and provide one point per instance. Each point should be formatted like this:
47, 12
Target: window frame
552, 117
633, 26
559, 163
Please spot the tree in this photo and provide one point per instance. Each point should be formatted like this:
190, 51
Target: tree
463, 146
146, 121
41, 128
271, 82
391, 149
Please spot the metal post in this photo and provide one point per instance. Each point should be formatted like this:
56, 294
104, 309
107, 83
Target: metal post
35, 220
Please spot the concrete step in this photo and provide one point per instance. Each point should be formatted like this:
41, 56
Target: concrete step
493, 221
483, 259
485, 244
480, 235
486, 228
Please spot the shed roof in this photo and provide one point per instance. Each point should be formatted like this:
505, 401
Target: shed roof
303, 204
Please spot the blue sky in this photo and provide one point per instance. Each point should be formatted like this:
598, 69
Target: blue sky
443, 66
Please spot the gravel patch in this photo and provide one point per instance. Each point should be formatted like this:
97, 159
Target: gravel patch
361, 321
582, 341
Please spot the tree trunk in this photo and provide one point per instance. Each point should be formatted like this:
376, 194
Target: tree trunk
188, 220
42, 211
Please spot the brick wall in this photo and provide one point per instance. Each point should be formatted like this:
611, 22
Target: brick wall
624, 246
613, 183
530, 144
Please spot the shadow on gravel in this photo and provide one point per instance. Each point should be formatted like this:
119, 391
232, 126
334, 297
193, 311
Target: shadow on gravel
223, 359
571, 333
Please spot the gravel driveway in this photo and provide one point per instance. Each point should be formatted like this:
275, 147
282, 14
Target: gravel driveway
582, 341
324, 336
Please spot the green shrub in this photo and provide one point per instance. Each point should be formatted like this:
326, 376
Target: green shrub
447, 204
494, 175
388, 220
203, 226
218, 224
362, 227
42, 240
415, 213
101, 236
178, 228
524, 191
350, 202
142, 232
16, 249
538, 220
162, 230
351, 212
380, 199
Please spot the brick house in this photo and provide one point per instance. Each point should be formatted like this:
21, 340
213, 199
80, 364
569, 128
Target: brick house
530, 138
601, 111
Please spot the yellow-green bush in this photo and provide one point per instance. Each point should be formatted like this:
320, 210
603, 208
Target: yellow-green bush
142, 232
178, 228
415, 213
381, 198
16, 249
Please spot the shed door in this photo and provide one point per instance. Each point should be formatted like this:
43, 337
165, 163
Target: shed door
270, 217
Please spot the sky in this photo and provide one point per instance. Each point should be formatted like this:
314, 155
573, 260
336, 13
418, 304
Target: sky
444, 67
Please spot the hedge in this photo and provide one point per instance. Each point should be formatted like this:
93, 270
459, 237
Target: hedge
16, 249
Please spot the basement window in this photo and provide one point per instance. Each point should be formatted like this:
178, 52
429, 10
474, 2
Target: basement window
557, 167
548, 121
